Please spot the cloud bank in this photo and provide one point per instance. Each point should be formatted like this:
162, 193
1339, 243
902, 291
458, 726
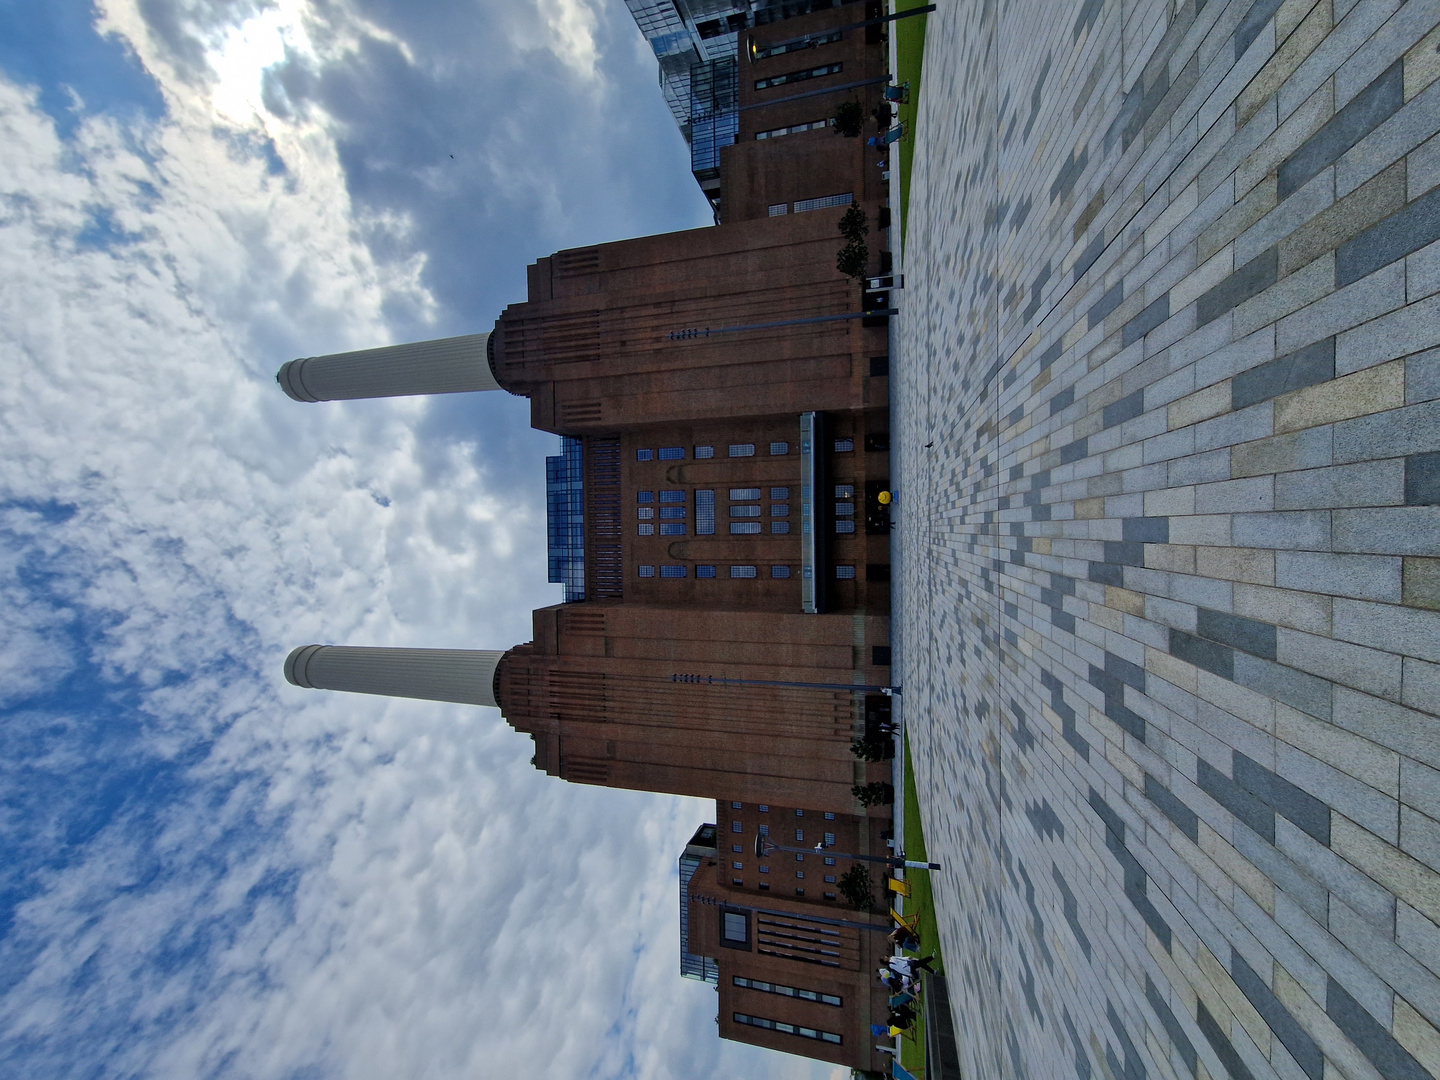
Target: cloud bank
204, 872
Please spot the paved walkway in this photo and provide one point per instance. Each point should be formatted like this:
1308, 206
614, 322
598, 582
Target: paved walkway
1168, 447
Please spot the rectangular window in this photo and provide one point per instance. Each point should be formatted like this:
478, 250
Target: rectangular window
744, 511
705, 571
764, 869
829, 896
799, 836
779, 528
763, 808
829, 879
845, 573
804, 75
780, 494
744, 494
744, 528
829, 815
737, 866
737, 806
793, 129
736, 826
790, 1029
844, 446
647, 571
829, 839
824, 202
739, 883
673, 571
829, 861
799, 858
703, 452
742, 571
746, 449
672, 453
672, 513
779, 571
799, 892
799, 874
779, 209
644, 496
645, 513
799, 813
645, 530
679, 530
738, 849
672, 496
644, 455
765, 885
844, 509
847, 526
764, 829
705, 513
779, 509
780, 48
844, 491
779, 448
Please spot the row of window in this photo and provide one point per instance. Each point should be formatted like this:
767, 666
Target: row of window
764, 808
780, 48
792, 129
799, 874
779, 448
764, 886
777, 573
786, 991
675, 513
818, 72
789, 1029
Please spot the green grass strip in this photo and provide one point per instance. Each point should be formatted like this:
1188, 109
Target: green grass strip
910, 56
912, 1051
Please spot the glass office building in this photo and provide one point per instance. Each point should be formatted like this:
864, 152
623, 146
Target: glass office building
565, 517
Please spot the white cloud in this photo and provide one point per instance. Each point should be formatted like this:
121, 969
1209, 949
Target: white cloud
286, 881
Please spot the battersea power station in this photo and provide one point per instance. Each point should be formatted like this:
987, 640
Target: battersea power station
715, 514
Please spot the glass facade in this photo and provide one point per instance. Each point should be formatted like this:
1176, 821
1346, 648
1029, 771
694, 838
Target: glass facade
565, 518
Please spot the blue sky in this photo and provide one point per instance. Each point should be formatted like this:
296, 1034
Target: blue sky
204, 872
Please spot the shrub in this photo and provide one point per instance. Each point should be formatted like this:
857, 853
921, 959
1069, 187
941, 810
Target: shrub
853, 259
849, 119
856, 888
854, 225
875, 793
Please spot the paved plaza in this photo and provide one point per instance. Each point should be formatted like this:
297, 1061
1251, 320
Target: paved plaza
1167, 417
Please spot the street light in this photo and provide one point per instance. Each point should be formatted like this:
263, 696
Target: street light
764, 846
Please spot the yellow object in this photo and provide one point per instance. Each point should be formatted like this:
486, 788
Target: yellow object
886, 498
898, 886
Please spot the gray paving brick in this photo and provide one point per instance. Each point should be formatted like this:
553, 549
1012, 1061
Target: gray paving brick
1398, 235
1305, 367
1369, 483
1293, 530
1402, 630
1387, 1055
1254, 277
1403, 530
1308, 693
1365, 577
1302, 1048
1411, 329
1369, 108
1306, 811
1248, 635
1422, 479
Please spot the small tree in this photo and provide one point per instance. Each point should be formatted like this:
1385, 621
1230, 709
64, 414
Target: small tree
853, 260
856, 888
875, 793
854, 225
849, 119
868, 749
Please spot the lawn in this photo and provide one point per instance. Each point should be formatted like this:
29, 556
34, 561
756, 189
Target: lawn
912, 1051
910, 54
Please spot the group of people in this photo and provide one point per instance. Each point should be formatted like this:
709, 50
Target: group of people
901, 974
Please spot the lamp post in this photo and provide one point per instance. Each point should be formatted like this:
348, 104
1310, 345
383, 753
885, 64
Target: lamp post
764, 846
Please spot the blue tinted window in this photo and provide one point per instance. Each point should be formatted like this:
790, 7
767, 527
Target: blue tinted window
647, 571
704, 571
744, 510
779, 528
780, 493
744, 494
703, 452
672, 496
744, 528
672, 530
846, 526
672, 453
644, 496
778, 448
742, 571
672, 571
645, 529
672, 513
704, 513
779, 509
779, 571
644, 455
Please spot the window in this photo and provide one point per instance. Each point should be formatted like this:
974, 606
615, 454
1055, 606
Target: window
793, 129
765, 885
799, 836
645, 513
780, 48
781, 1025
737, 806
703, 452
799, 874
738, 849
672, 453
844, 491
829, 861
644, 496
764, 869
799, 892
779, 448
735, 927
646, 530
644, 455
846, 526
779, 509
787, 991
845, 573
764, 829
739, 883
647, 571
779, 209
799, 813
829, 879
672, 513
844, 509
736, 826
672, 496
679, 530
829, 839
705, 513
829, 896
824, 202
779, 572
744, 511
803, 75
779, 528
744, 494
799, 857
742, 449
737, 866
780, 493
742, 571
763, 808
844, 446
829, 815
744, 528
704, 571
672, 571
